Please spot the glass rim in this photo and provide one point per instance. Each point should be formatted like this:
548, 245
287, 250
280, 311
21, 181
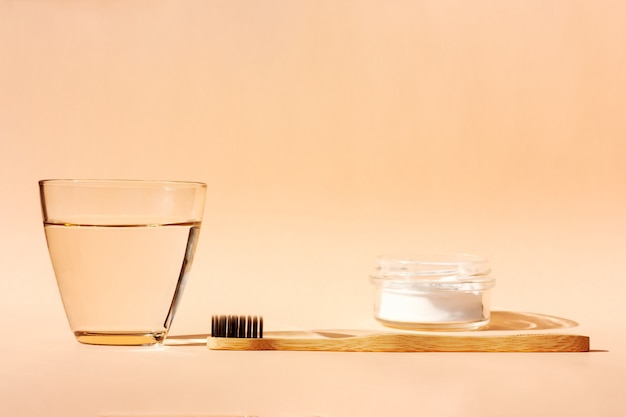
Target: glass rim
120, 181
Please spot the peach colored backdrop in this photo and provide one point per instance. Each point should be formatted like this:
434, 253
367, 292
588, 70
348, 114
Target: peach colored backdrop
328, 132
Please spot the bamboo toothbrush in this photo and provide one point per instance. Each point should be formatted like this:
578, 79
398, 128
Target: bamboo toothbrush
246, 333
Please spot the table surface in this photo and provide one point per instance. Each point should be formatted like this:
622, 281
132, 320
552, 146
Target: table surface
50, 373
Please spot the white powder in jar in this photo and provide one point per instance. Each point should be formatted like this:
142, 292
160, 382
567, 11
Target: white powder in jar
430, 307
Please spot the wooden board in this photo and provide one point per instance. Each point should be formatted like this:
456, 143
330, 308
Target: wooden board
400, 342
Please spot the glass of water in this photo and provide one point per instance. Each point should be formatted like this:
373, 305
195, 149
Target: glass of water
121, 252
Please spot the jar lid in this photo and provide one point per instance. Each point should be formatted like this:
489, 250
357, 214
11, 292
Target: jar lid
447, 271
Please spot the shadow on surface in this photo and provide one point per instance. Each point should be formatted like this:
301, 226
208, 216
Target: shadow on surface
500, 320
514, 320
187, 340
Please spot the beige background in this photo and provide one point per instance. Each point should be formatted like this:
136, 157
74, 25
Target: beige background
328, 133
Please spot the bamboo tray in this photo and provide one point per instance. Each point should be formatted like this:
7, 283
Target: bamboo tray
405, 342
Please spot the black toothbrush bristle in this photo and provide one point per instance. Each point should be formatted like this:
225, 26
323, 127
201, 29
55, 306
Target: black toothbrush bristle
250, 327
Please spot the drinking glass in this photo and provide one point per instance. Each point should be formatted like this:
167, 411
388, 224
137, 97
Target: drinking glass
121, 251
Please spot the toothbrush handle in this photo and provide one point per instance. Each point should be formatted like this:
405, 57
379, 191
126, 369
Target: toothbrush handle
392, 342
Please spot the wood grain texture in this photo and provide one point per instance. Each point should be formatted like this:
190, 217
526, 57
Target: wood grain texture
392, 342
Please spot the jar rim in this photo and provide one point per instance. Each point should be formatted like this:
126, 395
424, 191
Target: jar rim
455, 283
433, 266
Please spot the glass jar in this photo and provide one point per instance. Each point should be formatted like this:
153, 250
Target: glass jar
433, 292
